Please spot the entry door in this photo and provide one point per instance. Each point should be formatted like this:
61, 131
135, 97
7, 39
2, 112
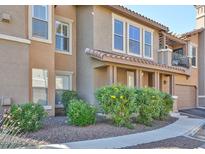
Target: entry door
130, 79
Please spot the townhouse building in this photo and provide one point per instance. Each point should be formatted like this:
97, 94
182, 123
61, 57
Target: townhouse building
45, 50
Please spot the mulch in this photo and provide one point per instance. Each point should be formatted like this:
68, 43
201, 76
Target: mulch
56, 130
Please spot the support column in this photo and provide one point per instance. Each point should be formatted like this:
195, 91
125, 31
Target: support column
172, 80
156, 80
115, 74
140, 79
110, 74
137, 78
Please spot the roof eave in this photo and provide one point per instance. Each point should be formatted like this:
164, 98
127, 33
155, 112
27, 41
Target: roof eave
137, 16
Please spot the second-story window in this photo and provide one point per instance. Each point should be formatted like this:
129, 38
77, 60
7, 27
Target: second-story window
147, 44
193, 56
40, 21
62, 36
118, 35
134, 40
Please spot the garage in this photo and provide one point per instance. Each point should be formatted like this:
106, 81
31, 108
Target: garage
186, 96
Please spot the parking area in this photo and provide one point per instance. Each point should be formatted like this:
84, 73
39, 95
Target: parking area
194, 112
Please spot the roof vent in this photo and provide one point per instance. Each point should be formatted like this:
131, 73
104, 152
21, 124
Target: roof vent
5, 17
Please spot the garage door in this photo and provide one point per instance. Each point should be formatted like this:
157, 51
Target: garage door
186, 96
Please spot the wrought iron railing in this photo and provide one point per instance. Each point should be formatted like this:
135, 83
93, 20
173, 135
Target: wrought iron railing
180, 60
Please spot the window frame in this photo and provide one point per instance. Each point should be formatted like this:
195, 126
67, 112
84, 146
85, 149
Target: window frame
63, 73
191, 54
129, 23
49, 20
152, 39
46, 87
116, 17
69, 22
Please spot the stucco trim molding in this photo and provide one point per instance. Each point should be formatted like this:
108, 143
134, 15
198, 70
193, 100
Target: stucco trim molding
15, 39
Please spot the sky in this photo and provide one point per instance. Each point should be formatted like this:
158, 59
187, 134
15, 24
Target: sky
179, 18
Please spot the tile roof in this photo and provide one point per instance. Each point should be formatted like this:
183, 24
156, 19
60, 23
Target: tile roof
124, 9
133, 60
195, 31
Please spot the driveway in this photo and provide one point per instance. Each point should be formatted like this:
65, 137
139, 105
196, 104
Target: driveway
195, 112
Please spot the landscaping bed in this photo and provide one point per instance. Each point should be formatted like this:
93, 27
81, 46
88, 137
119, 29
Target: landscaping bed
56, 130
179, 142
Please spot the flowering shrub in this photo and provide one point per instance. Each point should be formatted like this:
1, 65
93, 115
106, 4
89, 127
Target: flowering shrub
118, 102
27, 117
152, 104
81, 113
167, 105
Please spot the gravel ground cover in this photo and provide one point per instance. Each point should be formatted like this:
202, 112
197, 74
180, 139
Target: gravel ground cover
180, 142
56, 130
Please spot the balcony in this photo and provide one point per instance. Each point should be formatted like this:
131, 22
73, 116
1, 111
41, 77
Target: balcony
180, 60
170, 58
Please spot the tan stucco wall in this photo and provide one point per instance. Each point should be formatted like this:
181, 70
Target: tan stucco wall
200, 23
14, 56
18, 25
193, 79
14, 71
85, 71
65, 62
100, 77
201, 65
44, 56
165, 83
103, 36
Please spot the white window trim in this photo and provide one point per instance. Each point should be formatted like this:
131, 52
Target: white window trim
30, 12
128, 40
70, 22
152, 39
68, 73
190, 53
114, 16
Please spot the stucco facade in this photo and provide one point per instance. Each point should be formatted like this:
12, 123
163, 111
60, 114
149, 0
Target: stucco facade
14, 56
92, 61
18, 59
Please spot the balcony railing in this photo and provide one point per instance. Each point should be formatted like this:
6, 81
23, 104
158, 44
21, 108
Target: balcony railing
180, 60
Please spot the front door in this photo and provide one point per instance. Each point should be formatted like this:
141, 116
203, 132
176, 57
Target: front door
130, 79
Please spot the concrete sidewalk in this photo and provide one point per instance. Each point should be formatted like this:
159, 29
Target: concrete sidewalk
180, 127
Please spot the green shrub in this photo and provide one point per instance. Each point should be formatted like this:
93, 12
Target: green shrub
149, 102
167, 105
28, 117
67, 96
81, 113
118, 102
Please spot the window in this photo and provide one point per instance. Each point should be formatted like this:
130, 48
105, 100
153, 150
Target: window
62, 36
134, 40
40, 21
40, 86
193, 56
179, 51
147, 44
118, 35
63, 83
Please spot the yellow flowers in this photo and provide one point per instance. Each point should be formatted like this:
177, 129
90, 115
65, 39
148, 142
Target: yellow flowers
121, 97
113, 96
